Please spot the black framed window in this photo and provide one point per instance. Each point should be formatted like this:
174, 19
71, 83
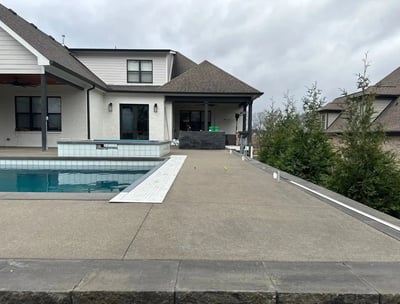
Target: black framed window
28, 113
193, 120
134, 121
140, 71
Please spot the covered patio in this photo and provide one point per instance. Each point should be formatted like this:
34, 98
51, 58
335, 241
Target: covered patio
227, 101
226, 117
31, 107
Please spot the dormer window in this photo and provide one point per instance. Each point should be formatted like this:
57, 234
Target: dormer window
140, 71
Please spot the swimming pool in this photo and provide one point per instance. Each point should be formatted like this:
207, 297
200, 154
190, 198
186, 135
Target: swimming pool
71, 181
72, 175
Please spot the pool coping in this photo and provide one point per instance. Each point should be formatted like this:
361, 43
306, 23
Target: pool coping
100, 158
153, 186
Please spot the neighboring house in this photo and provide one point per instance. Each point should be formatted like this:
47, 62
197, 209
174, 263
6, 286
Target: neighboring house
109, 93
386, 108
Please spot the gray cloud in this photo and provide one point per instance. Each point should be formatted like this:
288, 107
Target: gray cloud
273, 45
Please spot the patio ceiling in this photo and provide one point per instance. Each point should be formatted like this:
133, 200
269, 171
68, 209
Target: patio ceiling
27, 80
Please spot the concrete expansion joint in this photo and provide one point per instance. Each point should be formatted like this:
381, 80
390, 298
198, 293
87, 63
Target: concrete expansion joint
369, 216
137, 232
202, 281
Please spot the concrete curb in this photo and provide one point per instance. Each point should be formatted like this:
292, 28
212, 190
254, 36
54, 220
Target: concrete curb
185, 281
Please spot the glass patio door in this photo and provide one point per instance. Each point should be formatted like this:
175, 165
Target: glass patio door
134, 121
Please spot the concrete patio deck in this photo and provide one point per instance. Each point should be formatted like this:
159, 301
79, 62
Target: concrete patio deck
222, 216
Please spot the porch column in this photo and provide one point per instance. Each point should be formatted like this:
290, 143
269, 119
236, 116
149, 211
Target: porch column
43, 101
206, 116
244, 118
250, 121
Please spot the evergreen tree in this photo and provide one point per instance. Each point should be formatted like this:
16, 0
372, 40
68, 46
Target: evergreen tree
364, 171
314, 155
296, 143
280, 129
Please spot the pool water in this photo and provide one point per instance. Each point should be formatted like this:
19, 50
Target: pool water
62, 180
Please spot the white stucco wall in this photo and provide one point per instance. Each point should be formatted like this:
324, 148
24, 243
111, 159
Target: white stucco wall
224, 117
111, 120
168, 121
98, 112
73, 111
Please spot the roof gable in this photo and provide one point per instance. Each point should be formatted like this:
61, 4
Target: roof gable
207, 78
181, 64
385, 113
42, 44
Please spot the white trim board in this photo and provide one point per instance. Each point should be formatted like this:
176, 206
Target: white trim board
154, 188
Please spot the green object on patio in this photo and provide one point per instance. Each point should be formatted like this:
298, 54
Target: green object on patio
213, 128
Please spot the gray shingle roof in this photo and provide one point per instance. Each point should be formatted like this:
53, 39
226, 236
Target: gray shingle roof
181, 64
207, 78
388, 86
389, 118
47, 46
134, 88
187, 76
338, 125
336, 105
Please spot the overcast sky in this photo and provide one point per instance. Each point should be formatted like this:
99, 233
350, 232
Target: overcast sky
276, 46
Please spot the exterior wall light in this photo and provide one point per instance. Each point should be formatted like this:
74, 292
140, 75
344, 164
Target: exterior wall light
155, 109
110, 107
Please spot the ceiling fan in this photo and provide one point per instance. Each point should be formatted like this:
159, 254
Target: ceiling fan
20, 83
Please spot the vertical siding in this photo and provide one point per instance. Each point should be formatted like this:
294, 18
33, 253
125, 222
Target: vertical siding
112, 69
14, 58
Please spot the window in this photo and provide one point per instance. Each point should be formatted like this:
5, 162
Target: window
193, 120
28, 113
140, 71
134, 121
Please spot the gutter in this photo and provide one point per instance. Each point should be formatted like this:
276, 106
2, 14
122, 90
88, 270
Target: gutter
88, 109
79, 76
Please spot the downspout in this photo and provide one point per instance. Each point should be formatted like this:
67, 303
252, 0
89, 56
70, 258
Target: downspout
88, 110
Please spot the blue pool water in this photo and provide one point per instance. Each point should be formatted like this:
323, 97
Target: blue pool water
77, 181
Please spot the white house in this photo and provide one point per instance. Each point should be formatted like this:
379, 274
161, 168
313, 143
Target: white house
109, 93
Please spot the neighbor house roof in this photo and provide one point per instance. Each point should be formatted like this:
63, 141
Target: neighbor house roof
57, 54
207, 78
389, 117
334, 106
